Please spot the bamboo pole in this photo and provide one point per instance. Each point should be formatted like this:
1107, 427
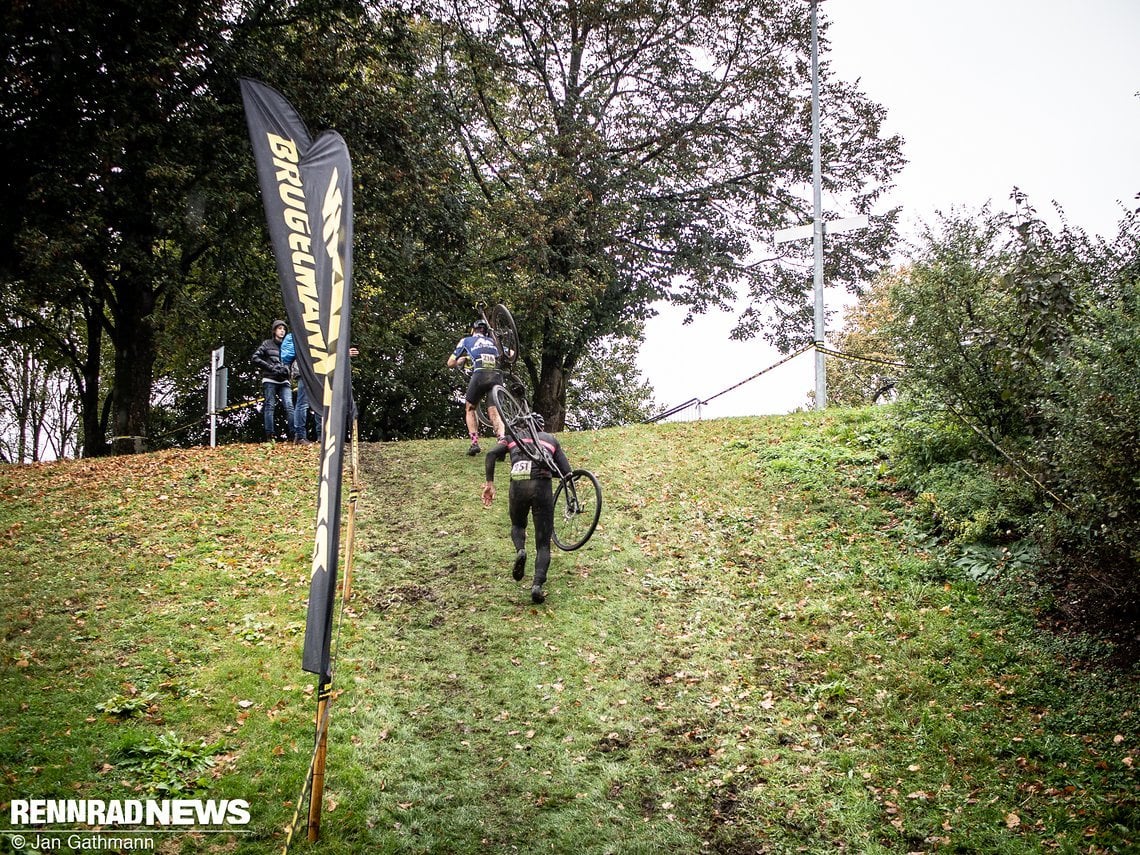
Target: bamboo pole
353, 496
317, 794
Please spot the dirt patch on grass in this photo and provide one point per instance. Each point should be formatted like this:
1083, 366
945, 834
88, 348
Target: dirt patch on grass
402, 595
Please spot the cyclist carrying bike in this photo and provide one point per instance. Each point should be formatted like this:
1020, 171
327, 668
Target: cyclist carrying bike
479, 349
530, 493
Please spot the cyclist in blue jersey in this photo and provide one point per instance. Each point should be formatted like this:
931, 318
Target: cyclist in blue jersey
530, 493
479, 349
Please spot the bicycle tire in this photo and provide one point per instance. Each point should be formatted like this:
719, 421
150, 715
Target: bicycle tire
577, 509
517, 422
505, 334
483, 415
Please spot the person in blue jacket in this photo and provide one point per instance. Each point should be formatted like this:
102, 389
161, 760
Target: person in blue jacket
479, 349
301, 407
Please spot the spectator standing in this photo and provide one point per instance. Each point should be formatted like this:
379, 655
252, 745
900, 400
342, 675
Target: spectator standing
301, 406
274, 380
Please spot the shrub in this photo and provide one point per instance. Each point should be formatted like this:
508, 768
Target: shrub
1093, 445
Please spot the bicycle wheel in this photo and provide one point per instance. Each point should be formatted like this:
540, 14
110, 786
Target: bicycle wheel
484, 416
516, 420
505, 333
577, 509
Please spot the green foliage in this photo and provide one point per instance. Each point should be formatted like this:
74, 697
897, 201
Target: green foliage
168, 767
865, 378
960, 493
982, 314
1021, 390
989, 563
607, 389
1093, 412
125, 706
922, 443
635, 152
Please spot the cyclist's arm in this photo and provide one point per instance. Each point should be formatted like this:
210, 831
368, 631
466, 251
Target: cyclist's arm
494, 455
560, 459
459, 355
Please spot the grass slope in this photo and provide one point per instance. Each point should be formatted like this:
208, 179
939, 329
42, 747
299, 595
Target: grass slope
757, 652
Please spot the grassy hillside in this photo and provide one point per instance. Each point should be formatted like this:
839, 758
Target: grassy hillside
757, 652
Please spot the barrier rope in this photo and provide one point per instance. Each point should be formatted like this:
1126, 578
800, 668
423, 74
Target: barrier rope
251, 403
787, 358
841, 355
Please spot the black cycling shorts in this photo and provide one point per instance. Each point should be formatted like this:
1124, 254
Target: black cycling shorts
482, 380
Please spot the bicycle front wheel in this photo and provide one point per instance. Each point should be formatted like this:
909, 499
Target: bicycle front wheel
577, 509
516, 421
505, 333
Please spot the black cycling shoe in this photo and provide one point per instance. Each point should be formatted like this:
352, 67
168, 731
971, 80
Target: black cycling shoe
520, 565
474, 449
536, 594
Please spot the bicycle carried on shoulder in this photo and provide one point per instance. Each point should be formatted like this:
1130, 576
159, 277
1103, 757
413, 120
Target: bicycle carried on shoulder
503, 331
578, 496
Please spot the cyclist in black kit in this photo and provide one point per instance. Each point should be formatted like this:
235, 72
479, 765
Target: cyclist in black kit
530, 492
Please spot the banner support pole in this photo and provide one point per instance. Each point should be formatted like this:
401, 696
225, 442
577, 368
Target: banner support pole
353, 497
317, 793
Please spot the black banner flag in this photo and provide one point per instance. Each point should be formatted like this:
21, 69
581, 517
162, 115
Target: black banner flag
306, 186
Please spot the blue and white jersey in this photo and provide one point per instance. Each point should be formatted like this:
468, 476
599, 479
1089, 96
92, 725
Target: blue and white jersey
481, 349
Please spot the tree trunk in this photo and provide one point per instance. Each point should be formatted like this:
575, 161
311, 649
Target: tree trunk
550, 393
94, 443
135, 352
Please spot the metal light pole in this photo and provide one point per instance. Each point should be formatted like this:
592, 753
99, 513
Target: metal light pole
819, 227
817, 213
821, 368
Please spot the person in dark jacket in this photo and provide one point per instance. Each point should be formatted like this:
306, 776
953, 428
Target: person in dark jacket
274, 380
530, 494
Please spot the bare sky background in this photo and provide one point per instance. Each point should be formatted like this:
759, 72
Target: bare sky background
988, 95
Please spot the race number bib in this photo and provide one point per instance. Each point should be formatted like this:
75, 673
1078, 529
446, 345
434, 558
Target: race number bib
520, 470
487, 360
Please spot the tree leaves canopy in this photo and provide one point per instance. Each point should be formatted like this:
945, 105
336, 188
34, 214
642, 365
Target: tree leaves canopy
639, 151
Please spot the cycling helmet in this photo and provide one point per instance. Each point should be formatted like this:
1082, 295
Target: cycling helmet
539, 421
480, 325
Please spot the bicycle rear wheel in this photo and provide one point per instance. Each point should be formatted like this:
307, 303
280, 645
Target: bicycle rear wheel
484, 416
577, 509
516, 419
505, 333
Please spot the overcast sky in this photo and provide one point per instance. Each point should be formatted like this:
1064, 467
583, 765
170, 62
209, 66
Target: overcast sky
988, 95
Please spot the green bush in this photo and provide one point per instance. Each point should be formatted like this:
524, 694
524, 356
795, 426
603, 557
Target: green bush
1032, 338
1093, 448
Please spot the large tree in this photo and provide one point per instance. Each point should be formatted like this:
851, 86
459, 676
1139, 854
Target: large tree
117, 133
131, 199
633, 151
